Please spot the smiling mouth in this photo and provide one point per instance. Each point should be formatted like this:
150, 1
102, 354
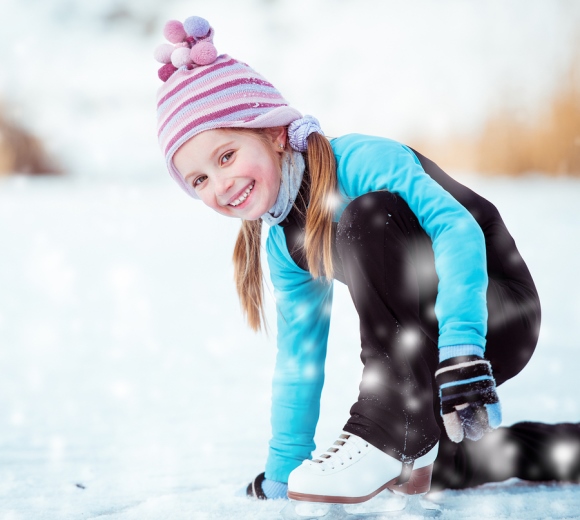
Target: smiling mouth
243, 196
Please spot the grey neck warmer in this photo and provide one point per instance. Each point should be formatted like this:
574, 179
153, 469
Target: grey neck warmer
292, 173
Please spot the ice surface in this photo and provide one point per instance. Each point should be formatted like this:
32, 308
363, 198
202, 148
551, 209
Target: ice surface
131, 389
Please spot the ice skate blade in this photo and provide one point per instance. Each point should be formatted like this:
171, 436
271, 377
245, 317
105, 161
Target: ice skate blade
413, 507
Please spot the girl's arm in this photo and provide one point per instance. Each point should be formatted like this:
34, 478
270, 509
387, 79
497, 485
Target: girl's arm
303, 309
366, 164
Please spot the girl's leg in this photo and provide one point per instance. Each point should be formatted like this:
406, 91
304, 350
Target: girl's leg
526, 450
513, 328
386, 260
392, 432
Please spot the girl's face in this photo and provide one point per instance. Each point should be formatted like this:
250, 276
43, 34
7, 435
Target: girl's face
236, 173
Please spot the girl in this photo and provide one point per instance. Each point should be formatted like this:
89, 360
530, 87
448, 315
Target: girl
447, 307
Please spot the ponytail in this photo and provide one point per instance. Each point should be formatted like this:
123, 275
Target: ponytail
317, 239
248, 272
318, 232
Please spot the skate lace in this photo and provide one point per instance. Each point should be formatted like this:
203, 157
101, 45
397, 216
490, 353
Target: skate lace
341, 451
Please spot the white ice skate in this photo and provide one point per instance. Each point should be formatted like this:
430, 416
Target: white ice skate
353, 471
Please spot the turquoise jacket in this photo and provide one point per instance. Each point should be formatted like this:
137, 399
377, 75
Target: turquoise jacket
366, 164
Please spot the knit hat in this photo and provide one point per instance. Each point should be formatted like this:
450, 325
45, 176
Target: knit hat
204, 91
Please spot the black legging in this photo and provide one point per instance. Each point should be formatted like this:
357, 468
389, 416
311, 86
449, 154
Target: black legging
386, 259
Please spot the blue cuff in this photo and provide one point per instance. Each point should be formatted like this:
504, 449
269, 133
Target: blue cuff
460, 350
274, 489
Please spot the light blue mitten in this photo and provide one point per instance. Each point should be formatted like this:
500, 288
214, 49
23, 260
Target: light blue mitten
266, 489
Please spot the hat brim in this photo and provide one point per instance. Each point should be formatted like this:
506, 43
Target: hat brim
279, 116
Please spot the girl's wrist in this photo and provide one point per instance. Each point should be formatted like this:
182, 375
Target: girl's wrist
460, 350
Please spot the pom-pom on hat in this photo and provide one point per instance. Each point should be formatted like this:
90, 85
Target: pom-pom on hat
203, 91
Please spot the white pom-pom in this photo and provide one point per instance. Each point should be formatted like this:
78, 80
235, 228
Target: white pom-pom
163, 53
180, 57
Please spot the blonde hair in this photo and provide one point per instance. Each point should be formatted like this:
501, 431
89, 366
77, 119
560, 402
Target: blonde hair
317, 240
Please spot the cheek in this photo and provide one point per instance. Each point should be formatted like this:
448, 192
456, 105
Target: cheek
272, 179
208, 200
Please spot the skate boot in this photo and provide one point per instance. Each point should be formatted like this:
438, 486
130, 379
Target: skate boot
353, 471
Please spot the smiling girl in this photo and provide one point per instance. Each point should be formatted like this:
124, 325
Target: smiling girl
447, 307
235, 174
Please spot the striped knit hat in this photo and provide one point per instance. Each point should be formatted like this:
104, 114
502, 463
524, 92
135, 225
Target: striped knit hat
203, 91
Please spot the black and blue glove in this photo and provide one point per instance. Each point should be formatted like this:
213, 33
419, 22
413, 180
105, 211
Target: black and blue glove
266, 489
469, 403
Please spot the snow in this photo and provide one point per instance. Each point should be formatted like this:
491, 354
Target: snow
131, 388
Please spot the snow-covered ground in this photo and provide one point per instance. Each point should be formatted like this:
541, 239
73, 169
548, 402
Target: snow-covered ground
131, 389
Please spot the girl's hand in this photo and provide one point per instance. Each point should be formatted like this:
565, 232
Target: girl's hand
469, 403
266, 489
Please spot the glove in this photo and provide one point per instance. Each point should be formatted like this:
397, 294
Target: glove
266, 489
469, 403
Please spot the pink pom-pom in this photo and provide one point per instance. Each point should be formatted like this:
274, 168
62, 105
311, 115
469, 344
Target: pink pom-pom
196, 26
203, 53
174, 31
166, 71
163, 53
180, 57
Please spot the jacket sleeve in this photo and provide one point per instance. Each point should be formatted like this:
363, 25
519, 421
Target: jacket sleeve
366, 164
303, 318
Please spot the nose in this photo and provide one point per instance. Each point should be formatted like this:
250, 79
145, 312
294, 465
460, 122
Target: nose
223, 185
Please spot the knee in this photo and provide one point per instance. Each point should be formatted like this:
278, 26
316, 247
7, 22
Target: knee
369, 212
485, 212
375, 218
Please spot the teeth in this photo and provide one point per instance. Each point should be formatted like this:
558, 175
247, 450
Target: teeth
243, 196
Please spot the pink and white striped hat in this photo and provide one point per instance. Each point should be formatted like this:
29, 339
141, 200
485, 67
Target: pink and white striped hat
203, 91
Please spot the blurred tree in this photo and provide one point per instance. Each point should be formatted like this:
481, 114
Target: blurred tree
547, 142
517, 139
22, 152
123, 16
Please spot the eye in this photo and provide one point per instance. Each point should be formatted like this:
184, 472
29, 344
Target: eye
198, 180
226, 157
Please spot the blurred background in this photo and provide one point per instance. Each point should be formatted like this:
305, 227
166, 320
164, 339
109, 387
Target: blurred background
484, 86
129, 384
